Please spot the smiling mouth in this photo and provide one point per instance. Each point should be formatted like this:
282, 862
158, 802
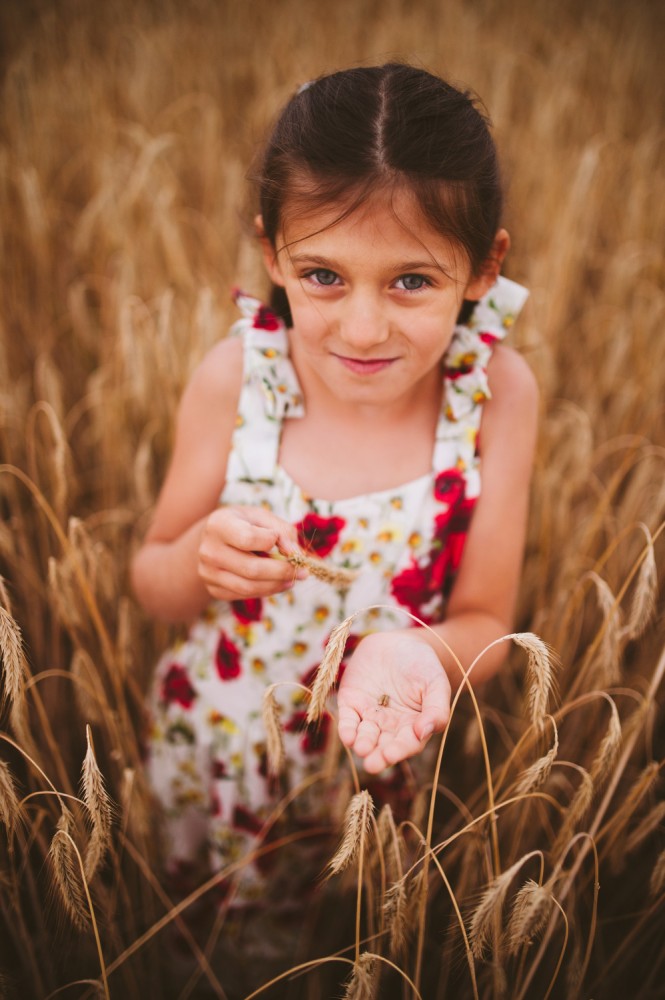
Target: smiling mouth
365, 366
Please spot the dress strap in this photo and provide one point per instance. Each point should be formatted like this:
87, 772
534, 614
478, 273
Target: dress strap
270, 392
465, 365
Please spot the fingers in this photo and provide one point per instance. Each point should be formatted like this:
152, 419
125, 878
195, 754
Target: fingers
347, 725
393, 748
231, 560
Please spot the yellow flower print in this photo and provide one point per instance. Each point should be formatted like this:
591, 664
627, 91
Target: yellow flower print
258, 665
396, 502
236, 760
415, 539
282, 388
450, 415
188, 767
222, 722
189, 796
363, 522
245, 631
240, 420
268, 624
299, 648
375, 557
391, 533
321, 613
351, 545
269, 352
508, 320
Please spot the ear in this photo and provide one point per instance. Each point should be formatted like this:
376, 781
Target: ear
270, 258
481, 283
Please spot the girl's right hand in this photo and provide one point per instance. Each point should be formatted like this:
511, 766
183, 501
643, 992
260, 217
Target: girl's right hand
232, 554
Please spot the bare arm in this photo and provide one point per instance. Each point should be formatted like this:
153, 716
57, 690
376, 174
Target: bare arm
195, 551
482, 604
406, 666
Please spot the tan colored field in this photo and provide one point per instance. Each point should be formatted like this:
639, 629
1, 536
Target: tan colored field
125, 134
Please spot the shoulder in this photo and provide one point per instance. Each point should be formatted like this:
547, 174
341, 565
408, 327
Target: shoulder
220, 371
509, 375
214, 385
510, 416
209, 402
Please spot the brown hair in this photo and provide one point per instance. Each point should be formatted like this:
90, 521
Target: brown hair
353, 132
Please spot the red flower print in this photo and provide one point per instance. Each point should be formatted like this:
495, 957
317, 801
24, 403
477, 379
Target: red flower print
308, 678
218, 769
488, 338
412, 587
227, 659
319, 534
243, 819
315, 735
265, 319
248, 611
176, 687
449, 486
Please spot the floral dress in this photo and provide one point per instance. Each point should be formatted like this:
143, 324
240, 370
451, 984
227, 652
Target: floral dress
207, 742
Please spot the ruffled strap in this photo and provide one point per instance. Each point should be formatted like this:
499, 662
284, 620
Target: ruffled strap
270, 392
267, 364
468, 355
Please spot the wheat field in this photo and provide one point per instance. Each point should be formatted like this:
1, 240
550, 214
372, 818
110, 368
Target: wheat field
534, 864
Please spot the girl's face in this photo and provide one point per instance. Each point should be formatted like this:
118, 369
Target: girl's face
374, 299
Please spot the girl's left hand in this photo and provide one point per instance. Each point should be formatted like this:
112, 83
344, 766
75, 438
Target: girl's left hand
394, 693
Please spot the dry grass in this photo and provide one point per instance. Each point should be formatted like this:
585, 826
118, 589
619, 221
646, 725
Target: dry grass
125, 133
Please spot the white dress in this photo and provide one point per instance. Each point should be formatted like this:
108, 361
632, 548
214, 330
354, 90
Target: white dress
206, 742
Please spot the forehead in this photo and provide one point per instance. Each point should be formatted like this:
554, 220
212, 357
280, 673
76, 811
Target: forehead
387, 221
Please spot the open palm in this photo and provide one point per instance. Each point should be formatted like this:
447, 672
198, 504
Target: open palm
394, 693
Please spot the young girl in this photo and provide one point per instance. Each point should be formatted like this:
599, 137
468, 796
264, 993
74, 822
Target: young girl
369, 417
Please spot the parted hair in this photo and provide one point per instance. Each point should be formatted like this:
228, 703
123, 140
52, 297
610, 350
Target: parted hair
354, 132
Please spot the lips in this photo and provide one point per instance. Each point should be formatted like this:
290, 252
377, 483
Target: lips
360, 366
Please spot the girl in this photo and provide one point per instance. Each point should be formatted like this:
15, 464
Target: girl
370, 417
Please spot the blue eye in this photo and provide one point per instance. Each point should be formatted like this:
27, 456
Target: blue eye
323, 276
413, 282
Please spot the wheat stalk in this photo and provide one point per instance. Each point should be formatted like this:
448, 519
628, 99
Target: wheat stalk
356, 827
99, 807
361, 983
396, 911
326, 675
270, 712
337, 576
531, 909
538, 773
657, 880
540, 673
67, 875
10, 807
485, 920
644, 596
11, 650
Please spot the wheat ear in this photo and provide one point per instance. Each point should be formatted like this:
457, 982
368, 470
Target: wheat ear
270, 710
361, 984
326, 675
100, 809
322, 571
356, 827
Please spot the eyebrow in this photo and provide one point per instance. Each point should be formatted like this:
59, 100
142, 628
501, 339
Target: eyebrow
404, 267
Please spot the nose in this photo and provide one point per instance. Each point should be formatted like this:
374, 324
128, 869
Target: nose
363, 323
